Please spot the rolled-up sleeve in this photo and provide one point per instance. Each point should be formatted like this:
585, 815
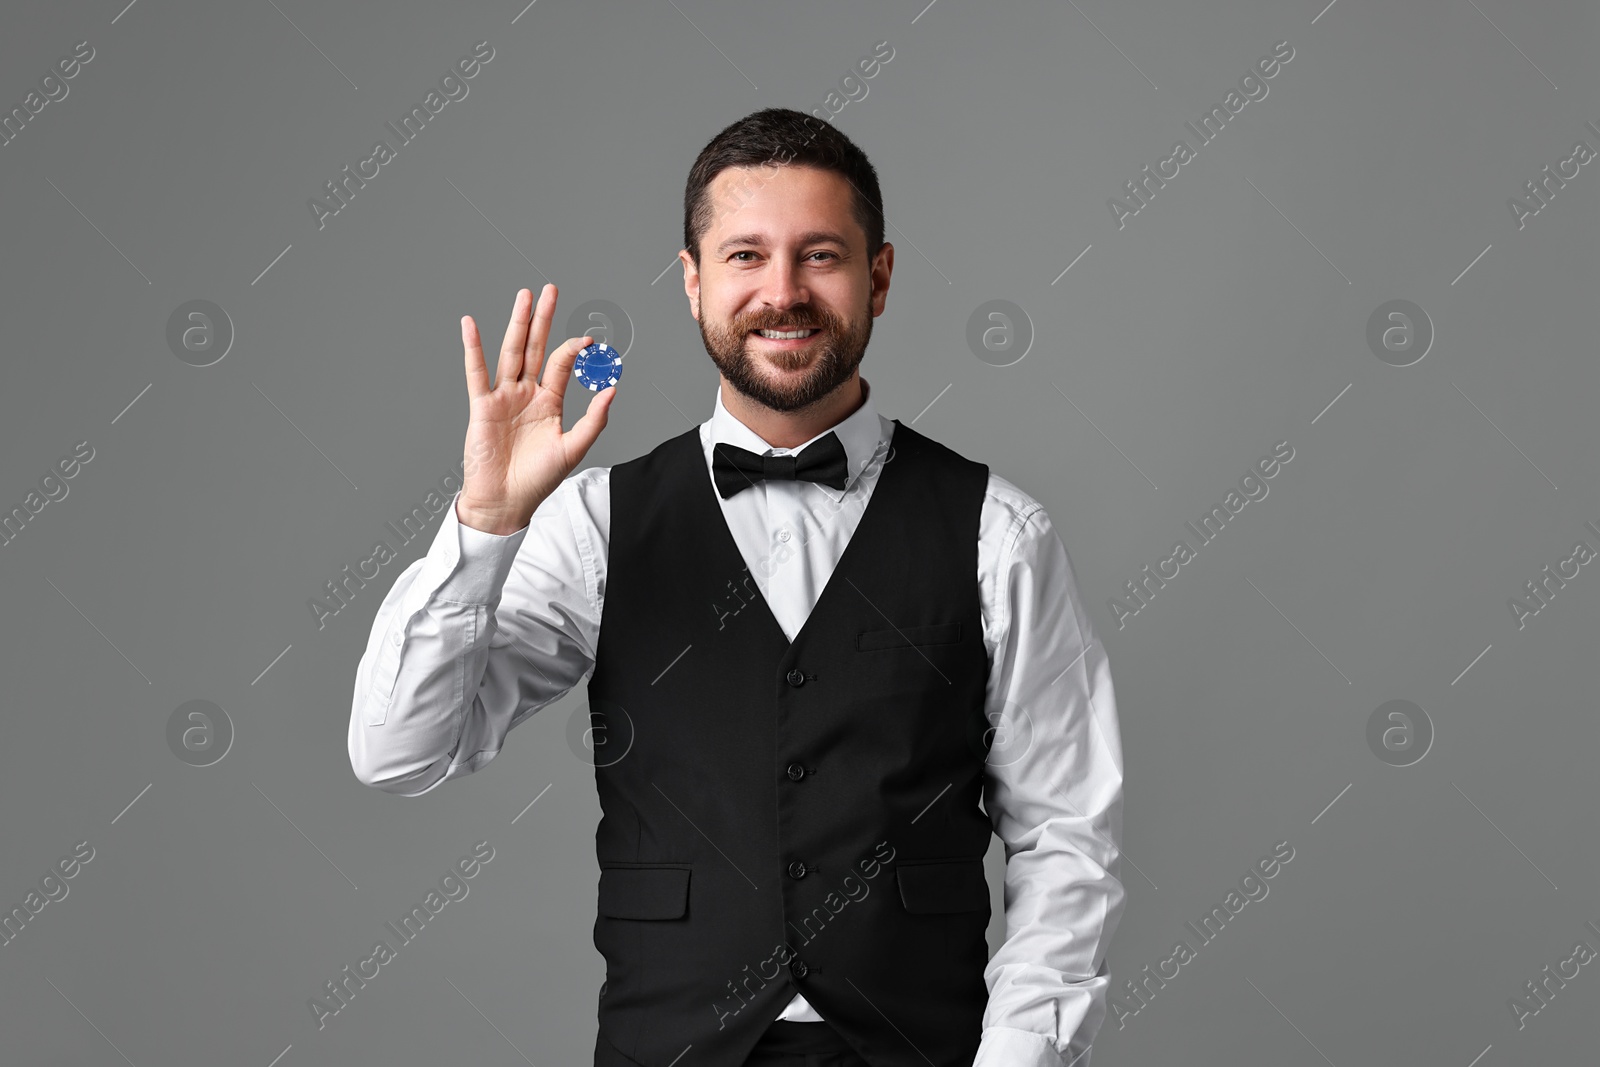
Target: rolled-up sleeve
1054, 794
471, 639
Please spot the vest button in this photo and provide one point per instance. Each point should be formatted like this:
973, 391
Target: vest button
798, 968
797, 869
796, 772
795, 677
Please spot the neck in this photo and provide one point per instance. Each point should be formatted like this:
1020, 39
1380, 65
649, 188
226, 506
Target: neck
790, 429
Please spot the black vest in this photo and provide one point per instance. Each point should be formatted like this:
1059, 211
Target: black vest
781, 818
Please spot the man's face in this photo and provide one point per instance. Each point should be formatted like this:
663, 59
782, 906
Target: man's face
785, 253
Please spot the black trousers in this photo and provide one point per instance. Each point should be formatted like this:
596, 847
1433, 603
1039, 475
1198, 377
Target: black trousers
792, 1044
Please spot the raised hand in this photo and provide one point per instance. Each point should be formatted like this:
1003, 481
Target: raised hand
516, 452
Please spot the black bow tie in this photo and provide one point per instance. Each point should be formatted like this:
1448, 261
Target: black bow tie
736, 468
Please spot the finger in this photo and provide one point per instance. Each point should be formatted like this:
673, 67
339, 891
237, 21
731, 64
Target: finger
477, 370
534, 341
510, 365
558, 367
586, 429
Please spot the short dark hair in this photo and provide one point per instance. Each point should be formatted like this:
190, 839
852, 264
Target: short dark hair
776, 136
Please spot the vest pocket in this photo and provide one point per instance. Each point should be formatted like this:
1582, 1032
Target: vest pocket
644, 890
942, 633
941, 886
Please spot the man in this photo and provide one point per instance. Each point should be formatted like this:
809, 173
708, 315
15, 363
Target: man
819, 641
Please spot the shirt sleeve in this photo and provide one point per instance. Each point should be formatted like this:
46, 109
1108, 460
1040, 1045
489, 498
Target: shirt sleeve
474, 637
1054, 793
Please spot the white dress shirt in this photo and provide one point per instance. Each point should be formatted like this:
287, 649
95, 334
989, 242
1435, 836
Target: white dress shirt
487, 629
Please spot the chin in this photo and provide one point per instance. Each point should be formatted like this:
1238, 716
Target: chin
775, 362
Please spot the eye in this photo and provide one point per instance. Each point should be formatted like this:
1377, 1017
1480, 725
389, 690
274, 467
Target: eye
746, 252
825, 254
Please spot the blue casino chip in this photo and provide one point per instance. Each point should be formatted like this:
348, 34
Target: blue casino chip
598, 366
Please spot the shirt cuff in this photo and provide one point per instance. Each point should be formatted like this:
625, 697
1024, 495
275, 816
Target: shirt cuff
483, 560
1003, 1046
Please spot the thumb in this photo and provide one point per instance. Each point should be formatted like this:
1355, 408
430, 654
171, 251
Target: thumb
587, 429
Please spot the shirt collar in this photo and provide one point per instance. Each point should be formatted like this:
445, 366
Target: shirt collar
860, 432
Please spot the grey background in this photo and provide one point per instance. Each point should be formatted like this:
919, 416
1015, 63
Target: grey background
1228, 315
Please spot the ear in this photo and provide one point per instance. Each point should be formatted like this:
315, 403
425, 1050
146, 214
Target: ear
882, 267
691, 282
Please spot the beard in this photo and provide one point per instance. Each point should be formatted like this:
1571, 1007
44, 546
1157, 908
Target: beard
834, 353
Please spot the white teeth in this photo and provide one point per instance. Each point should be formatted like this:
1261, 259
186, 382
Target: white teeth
792, 335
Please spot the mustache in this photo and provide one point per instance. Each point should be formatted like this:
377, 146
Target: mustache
784, 326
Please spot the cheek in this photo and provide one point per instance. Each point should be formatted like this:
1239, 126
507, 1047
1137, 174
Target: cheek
851, 305
724, 306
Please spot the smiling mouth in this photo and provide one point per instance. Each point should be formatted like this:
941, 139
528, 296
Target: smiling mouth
799, 334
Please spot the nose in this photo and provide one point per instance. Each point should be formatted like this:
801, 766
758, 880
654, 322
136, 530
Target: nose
783, 287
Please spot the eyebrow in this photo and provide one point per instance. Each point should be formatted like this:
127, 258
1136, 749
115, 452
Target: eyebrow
756, 240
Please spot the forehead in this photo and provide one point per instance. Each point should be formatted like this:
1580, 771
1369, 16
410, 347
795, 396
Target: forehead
780, 202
